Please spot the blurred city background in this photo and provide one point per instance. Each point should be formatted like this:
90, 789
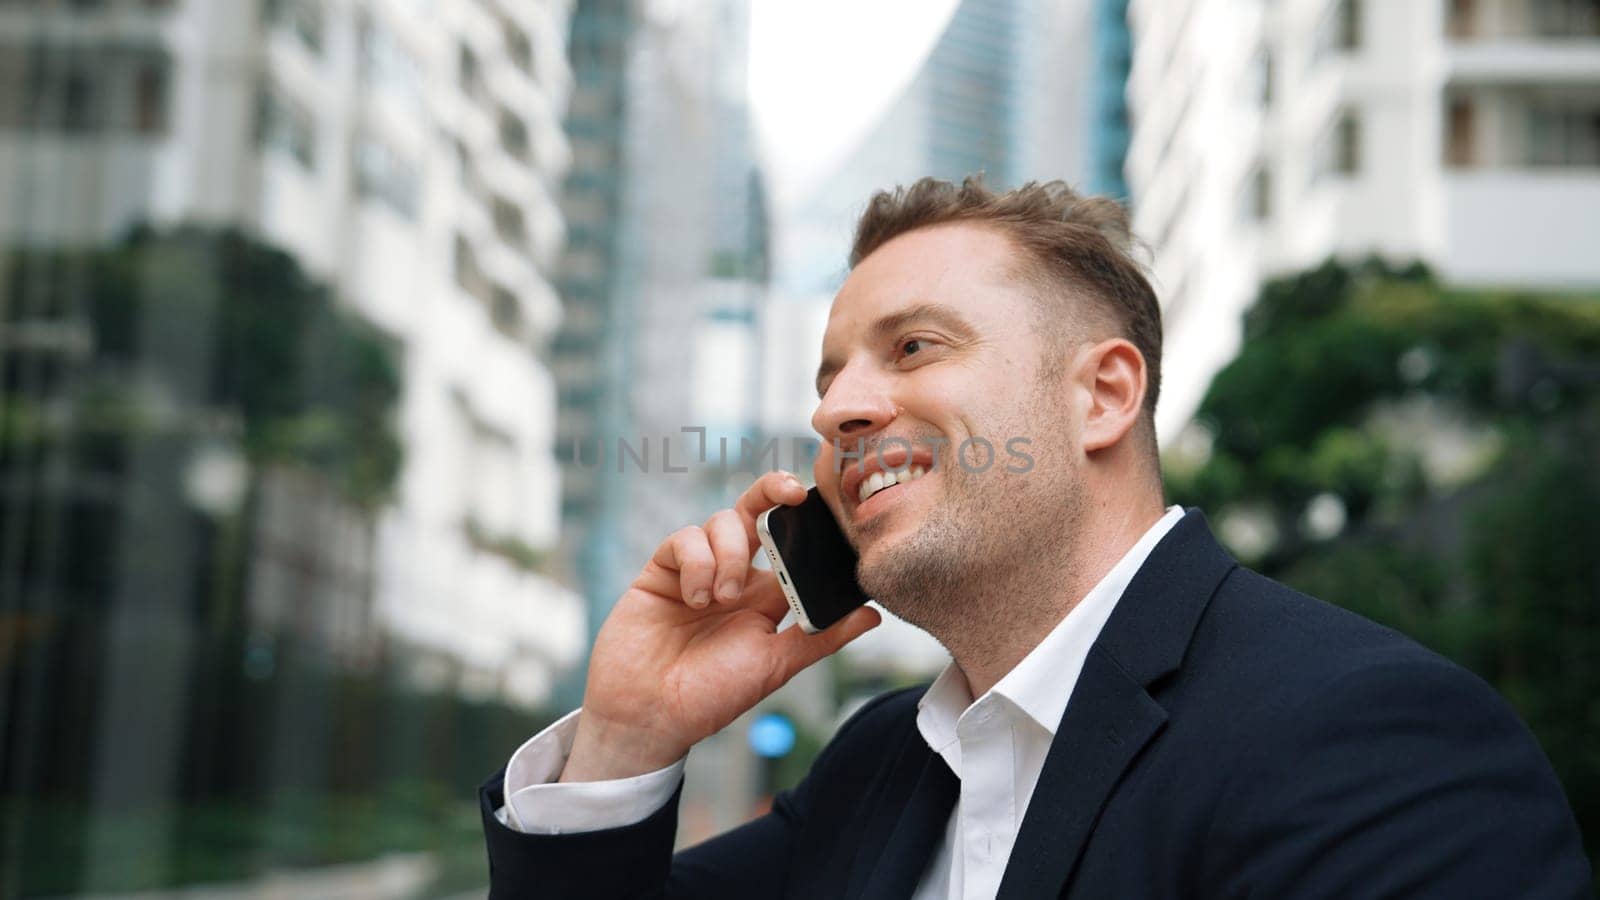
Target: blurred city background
321, 322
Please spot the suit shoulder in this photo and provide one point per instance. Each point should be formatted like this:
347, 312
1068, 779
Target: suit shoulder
890, 711
885, 720
1322, 723
1268, 634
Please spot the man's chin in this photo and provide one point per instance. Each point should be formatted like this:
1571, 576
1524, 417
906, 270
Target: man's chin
893, 552
913, 582
880, 536
877, 553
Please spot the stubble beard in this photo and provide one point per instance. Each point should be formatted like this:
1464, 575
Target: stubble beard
971, 567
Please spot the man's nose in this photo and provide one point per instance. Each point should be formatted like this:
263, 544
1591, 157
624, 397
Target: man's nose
855, 405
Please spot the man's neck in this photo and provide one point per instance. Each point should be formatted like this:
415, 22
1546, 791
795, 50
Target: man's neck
1037, 598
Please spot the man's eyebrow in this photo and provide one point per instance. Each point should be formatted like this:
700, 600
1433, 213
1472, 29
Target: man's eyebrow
938, 313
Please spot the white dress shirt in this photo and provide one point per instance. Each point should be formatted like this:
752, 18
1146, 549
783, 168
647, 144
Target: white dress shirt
995, 745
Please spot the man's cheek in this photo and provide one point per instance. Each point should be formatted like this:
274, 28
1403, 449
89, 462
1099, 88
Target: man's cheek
823, 473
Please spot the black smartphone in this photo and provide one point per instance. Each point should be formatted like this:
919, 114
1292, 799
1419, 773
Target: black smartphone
815, 564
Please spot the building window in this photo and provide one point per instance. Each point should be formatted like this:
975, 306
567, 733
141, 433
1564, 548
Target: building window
1261, 194
519, 48
1347, 25
1461, 143
150, 98
385, 176
80, 103
1461, 22
1564, 135
509, 222
302, 17
469, 276
1342, 148
1566, 18
1262, 75
514, 136
491, 475
16, 88
25, 91
388, 66
282, 126
505, 312
1339, 30
471, 72
91, 89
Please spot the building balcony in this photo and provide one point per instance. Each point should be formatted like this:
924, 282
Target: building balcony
1521, 227
1523, 40
1525, 60
1467, 20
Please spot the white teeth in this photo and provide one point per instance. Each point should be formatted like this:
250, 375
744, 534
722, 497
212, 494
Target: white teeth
871, 485
877, 481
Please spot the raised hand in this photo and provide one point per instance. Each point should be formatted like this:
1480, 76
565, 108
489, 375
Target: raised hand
693, 643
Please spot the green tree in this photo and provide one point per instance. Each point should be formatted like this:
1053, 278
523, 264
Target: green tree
120, 367
296, 378
1425, 455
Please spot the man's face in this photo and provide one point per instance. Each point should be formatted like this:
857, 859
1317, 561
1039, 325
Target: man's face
934, 342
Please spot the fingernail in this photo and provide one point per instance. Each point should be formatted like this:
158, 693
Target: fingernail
728, 591
700, 598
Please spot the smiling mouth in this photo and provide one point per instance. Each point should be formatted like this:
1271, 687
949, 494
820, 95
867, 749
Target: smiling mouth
880, 481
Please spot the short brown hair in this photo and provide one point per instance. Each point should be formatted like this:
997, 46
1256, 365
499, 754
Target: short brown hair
1084, 245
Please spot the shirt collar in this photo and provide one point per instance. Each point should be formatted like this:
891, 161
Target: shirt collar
1041, 684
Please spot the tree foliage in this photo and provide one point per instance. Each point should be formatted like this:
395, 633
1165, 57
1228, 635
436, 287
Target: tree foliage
120, 367
206, 332
1449, 439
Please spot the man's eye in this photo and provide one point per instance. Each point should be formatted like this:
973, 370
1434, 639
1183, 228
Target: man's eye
909, 346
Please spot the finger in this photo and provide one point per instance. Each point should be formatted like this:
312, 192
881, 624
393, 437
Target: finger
763, 594
688, 552
660, 579
732, 552
760, 590
772, 489
797, 650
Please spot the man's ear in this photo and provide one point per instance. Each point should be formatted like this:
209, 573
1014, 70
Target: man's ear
1113, 374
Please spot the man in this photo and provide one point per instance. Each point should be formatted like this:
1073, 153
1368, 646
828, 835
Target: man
1128, 713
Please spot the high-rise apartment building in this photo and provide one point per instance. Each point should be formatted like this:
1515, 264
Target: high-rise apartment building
664, 275
1271, 136
664, 279
1108, 130
588, 364
408, 153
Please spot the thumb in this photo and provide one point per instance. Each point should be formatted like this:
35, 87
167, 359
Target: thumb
796, 650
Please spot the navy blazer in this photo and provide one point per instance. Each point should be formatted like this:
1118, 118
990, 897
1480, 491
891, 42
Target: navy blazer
1228, 737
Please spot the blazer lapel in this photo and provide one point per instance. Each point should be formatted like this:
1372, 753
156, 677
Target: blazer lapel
1109, 720
1111, 716
916, 825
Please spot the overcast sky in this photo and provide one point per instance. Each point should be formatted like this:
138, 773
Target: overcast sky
821, 72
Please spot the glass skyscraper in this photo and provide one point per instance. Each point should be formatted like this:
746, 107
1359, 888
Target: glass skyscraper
1107, 127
